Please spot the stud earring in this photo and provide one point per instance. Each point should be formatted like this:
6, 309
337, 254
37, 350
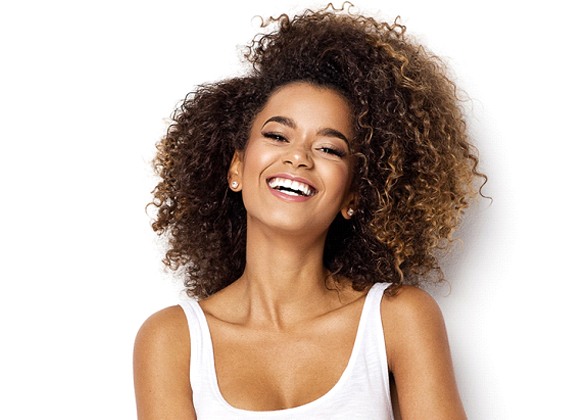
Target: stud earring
350, 212
234, 185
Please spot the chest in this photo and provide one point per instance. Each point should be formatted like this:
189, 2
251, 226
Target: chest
269, 370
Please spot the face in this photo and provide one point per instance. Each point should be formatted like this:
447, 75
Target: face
295, 172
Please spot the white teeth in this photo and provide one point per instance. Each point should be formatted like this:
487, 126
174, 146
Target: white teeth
290, 187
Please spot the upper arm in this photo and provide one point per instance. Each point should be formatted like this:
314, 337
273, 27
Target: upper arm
161, 367
419, 356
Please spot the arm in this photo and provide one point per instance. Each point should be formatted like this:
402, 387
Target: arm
419, 357
161, 367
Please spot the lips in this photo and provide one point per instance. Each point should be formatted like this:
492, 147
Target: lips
291, 186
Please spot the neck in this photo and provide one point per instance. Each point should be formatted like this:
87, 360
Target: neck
284, 279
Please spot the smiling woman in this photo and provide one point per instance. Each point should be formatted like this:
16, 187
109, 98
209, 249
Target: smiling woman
304, 201
297, 152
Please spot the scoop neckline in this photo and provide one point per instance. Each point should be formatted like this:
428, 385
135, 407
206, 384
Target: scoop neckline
291, 410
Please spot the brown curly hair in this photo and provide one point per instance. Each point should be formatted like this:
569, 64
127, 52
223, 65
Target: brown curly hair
415, 168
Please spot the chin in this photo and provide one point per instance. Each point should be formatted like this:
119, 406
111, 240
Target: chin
291, 225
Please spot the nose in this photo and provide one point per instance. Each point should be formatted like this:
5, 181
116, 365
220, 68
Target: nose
298, 156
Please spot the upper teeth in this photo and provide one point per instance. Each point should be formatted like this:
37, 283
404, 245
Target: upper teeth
293, 185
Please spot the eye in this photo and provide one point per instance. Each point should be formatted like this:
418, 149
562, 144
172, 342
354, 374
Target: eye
332, 151
274, 136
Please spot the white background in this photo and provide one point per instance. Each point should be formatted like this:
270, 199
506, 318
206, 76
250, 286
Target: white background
85, 92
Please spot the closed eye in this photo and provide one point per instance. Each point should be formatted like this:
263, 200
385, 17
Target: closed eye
274, 136
332, 151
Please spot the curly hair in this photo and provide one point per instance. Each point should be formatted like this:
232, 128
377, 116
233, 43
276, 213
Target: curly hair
415, 170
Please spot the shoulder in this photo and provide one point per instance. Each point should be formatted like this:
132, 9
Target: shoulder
165, 328
410, 304
161, 366
162, 339
411, 318
418, 356
408, 297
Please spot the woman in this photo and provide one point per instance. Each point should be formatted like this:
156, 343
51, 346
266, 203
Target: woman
305, 201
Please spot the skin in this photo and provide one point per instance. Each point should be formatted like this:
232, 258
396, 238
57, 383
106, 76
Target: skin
291, 324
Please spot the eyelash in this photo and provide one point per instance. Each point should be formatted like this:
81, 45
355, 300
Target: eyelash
329, 150
274, 136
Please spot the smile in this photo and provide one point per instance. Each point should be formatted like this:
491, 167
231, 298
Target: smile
291, 187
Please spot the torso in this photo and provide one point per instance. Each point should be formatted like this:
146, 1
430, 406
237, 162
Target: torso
273, 369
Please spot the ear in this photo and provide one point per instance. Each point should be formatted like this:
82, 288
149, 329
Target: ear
235, 173
349, 206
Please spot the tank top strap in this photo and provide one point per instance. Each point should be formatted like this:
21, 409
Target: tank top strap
375, 294
372, 305
372, 344
200, 340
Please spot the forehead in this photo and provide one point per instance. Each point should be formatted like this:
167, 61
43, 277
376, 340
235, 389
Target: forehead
310, 104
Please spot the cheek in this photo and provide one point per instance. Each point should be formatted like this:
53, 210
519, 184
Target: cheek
339, 178
255, 161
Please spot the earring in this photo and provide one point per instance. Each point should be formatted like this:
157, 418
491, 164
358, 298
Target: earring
234, 185
350, 212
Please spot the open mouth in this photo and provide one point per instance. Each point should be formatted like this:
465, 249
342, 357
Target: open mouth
290, 187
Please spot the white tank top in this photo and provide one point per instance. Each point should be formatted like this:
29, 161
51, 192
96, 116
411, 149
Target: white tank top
362, 391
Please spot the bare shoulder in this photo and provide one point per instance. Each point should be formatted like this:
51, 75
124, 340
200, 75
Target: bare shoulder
163, 328
419, 356
161, 366
164, 334
412, 307
411, 318
410, 298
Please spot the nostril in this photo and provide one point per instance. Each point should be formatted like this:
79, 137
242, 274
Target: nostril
298, 157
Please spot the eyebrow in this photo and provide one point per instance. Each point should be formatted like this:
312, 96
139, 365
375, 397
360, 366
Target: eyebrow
281, 120
329, 132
